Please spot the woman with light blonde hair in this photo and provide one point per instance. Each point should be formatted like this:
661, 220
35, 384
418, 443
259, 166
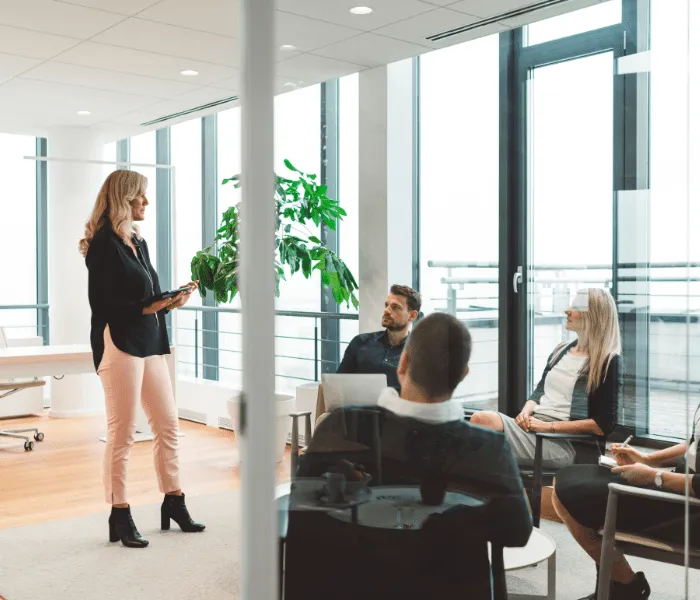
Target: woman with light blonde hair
578, 391
129, 342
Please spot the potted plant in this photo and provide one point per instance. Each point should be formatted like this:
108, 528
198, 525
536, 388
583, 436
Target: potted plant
299, 202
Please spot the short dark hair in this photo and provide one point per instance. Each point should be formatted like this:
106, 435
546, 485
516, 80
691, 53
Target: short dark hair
438, 350
413, 298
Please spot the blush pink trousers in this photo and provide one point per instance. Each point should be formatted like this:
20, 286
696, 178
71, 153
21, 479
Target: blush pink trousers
125, 380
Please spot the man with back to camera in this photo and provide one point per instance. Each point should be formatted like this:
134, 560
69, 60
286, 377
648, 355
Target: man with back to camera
417, 437
380, 351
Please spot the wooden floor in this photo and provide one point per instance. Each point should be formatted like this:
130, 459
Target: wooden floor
62, 477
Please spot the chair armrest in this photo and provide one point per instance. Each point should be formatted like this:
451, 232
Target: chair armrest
296, 415
566, 436
629, 490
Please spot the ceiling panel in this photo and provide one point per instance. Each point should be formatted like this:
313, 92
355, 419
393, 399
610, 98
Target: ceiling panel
122, 7
212, 16
308, 68
65, 100
417, 29
490, 8
127, 60
174, 41
56, 17
11, 65
308, 34
338, 11
371, 50
552, 11
33, 43
472, 34
204, 95
108, 80
150, 112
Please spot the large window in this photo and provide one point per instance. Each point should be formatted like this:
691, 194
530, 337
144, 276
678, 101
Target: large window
186, 157
143, 151
298, 139
229, 164
459, 199
348, 189
18, 233
587, 19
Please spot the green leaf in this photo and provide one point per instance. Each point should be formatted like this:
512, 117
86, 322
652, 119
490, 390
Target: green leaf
290, 166
314, 239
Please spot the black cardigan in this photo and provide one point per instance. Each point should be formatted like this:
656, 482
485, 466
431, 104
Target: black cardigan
119, 288
601, 404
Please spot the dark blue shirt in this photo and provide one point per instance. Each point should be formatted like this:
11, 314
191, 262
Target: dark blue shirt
372, 353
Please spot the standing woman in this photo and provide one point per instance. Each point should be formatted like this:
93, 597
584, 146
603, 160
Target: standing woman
579, 389
129, 342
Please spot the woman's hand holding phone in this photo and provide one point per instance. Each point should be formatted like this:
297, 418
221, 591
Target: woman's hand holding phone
172, 302
183, 297
158, 305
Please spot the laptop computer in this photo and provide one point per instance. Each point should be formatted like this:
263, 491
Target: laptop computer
343, 389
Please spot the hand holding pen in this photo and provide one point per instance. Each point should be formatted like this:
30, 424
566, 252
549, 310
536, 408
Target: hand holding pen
625, 455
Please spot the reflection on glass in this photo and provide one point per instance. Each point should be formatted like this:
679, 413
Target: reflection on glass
571, 23
459, 194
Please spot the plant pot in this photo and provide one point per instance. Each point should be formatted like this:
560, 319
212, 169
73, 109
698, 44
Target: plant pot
284, 404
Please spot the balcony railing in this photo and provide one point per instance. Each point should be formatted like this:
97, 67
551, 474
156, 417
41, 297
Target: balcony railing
212, 348
24, 320
667, 293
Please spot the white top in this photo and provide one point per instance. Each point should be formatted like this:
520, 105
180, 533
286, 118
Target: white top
441, 412
559, 387
692, 453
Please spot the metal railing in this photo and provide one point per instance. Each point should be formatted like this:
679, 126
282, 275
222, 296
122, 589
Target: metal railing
666, 293
304, 348
41, 324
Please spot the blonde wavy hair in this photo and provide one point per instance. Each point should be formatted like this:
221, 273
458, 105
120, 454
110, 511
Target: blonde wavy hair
599, 338
113, 202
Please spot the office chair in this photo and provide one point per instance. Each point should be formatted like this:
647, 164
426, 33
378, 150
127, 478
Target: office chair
7, 388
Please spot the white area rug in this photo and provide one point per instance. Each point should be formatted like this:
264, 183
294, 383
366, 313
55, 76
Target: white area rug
72, 559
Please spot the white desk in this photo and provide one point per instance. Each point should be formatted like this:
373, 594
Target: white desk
57, 361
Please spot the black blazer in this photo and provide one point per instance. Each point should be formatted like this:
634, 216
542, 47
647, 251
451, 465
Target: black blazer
120, 286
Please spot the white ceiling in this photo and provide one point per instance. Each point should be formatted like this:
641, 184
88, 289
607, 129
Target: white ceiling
121, 59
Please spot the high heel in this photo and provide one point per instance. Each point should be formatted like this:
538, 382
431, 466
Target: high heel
122, 527
174, 508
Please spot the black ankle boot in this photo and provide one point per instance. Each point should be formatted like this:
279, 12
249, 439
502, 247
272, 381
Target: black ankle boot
122, 527
174, 508
637, 589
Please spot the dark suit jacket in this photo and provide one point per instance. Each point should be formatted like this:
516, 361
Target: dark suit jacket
447, 558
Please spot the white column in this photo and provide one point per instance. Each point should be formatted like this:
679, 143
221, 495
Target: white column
72, 189
385, 188
259, 511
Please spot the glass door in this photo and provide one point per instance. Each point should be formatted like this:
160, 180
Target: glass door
570, 200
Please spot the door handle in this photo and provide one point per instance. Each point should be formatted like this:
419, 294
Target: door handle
517, 278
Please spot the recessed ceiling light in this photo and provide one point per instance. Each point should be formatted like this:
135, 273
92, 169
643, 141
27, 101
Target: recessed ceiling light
189, 73
287, 47
83, 113
290, 84
361, 10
